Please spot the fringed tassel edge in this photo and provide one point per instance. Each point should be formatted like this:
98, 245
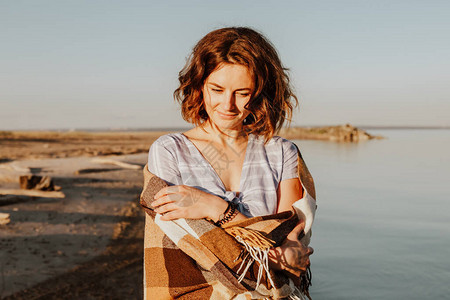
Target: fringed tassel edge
257, 248
302, 292
261, 256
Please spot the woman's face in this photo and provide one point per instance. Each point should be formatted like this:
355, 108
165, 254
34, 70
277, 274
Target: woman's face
225, 93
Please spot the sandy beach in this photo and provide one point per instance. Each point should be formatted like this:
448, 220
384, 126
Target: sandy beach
87, 244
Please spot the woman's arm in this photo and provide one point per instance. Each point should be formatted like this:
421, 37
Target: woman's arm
178, 200
289, 191
292, 256
181, 201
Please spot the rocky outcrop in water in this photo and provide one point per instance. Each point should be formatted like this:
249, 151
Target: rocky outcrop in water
340, 133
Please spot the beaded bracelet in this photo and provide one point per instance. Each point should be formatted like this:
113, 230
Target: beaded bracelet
228, 215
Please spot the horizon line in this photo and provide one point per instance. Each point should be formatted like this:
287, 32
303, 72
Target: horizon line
178, 128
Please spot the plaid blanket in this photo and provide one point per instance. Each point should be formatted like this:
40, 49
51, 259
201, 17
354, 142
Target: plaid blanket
194, 259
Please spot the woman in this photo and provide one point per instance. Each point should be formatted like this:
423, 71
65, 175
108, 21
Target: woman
230, 166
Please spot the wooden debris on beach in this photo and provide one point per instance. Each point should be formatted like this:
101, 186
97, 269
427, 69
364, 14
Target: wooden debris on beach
35, 186
110, 161
35, 182
8, 178
32, 193
117, 163
13, 167
4, 218
30, 185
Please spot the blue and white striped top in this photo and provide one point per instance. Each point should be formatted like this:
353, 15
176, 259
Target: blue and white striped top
174, 158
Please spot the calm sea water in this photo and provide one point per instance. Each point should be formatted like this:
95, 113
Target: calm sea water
382, 229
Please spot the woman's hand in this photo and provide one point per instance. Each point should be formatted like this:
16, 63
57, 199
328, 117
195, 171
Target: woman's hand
292, 256
181, 201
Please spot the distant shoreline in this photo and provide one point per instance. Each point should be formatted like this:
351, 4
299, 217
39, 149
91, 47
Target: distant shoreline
180, 129
403, 127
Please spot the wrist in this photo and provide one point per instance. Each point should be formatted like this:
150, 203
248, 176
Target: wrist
217, 209
228, 215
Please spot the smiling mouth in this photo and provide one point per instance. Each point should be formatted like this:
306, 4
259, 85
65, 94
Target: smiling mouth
227, 116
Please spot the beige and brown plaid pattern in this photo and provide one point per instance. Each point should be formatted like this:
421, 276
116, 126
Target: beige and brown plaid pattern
194, 259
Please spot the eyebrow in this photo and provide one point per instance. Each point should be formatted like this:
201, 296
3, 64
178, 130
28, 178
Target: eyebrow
221, 87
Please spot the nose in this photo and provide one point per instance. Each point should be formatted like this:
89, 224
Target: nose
229, 101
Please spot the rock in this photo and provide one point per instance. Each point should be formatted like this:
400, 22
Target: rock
34, 182
340, 133
4, 218
348, 133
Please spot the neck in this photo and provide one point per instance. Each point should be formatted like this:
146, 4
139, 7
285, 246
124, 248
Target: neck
225, 136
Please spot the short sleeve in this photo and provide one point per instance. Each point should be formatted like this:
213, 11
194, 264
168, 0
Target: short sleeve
162, 162
290, 160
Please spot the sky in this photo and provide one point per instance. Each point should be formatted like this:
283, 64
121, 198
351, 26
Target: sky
78, 64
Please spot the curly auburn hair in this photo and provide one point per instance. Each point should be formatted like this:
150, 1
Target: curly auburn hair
272, 100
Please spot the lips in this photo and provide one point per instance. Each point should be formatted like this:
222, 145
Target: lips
226, 116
